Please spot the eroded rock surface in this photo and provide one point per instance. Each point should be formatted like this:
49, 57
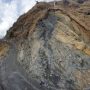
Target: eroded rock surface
47, 49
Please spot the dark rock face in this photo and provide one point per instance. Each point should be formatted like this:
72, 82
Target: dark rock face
80, 1
65, 2
47, 54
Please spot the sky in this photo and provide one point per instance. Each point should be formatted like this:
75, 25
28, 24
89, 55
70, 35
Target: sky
10, 10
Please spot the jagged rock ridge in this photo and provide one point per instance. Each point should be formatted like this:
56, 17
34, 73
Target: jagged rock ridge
47, 49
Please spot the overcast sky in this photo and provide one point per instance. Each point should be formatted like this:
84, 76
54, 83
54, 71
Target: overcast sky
10, 10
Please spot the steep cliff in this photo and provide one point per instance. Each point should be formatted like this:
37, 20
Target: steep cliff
48, 48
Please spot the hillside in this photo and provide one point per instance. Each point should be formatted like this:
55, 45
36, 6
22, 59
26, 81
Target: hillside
48, 48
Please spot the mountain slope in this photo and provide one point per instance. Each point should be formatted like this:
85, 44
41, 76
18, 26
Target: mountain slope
48, 48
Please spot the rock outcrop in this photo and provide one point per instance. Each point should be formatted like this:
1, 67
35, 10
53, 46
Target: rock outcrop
48, 48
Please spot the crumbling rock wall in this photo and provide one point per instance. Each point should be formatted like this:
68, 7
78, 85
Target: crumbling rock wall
46, 49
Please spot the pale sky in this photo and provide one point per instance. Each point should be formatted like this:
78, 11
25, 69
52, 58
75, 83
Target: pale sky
10, 10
